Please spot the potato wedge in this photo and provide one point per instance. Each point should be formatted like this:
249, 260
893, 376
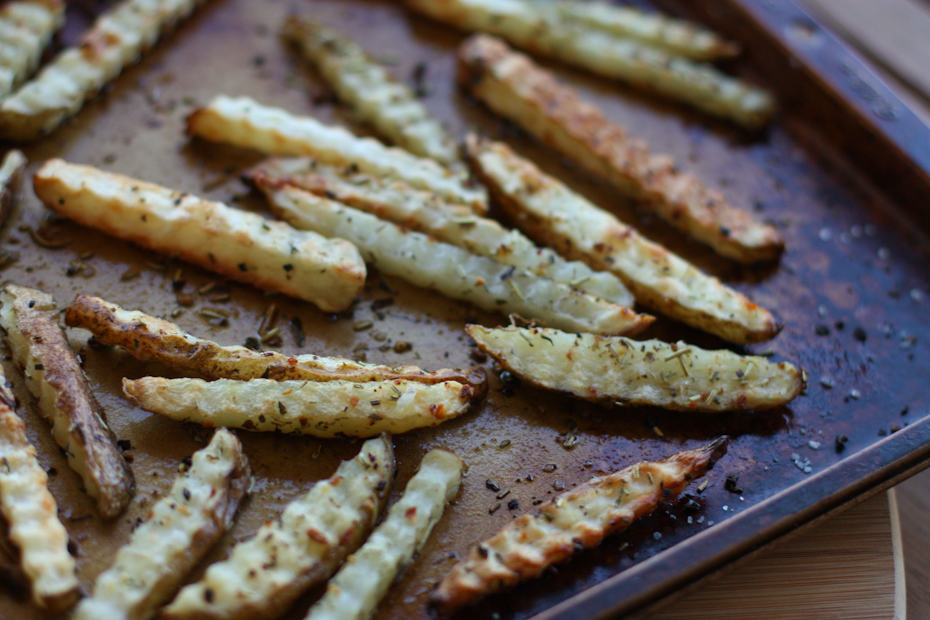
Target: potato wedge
11, 173
178, 531
265, 574
675, 36
623, 372
26, 28
54, 376
518, 89
552, 214
354, 592
31, 513
317, 408
370, 91
237, 244
117, 39
454, 272
241, 121
574, 520
455, 224
146, 337
547, 33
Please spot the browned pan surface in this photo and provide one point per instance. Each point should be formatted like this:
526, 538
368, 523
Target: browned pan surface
852, 264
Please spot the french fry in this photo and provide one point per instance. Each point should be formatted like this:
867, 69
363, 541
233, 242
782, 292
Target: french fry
623, 372
528, 25
54, 376
237, 244
317, 408
265, 574
454, 272
455, 224
675, 36
117, 39
179, 529
26, 28
554, 215
370, 91
574, 520
146, 337
516, 88
11, 172
354, 592
31, 513
243, 122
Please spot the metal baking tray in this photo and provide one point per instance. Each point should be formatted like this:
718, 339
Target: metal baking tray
843, 174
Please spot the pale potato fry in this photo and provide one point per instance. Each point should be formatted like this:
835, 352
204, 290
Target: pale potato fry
622, 372
454, 272
54, 376
11, 173
237, 244
353, 593
516, 88
241, 121
263, 575
370, 90
318, 408
676, 36
146, 337
118, 38
546, 33
178, 531
455, 224
26, 28
576, 519
554, 215
31, 513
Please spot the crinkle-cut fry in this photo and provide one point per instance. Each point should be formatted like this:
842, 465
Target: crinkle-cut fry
455, 224
54, 376
554, 215
353, 593
26, 28
11, 173
370, 90
178, 531
621, 371
317, 408
238, 244
513, 86
146, 337
675, 36
263, 576
31, 513
574, 520
451, 270
546, 33
117, 39
244, 122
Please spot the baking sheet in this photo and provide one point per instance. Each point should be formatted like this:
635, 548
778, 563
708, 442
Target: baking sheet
852, 262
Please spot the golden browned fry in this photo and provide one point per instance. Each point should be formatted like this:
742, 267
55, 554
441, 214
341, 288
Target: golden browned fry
179, 530
621, 371
11, 173
54, 376
237, 244
554, 215
31, 514
516, 88
146, 337
26, 28
576, 519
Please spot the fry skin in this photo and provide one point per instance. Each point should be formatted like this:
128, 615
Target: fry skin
515, 87
238, 244
54, 376
574, 520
